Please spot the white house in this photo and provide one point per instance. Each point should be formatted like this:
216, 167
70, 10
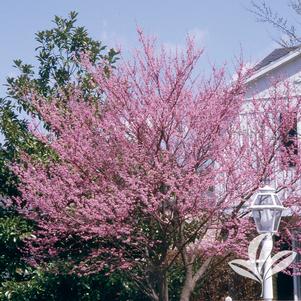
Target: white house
281, 64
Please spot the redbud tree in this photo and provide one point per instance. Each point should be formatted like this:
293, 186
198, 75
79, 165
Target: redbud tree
157, 172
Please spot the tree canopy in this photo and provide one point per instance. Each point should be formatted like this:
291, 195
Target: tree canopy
156, 174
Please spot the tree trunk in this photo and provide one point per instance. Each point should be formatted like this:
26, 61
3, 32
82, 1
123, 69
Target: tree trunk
186, 292
163, 287
191, 280
187, 289
188, 284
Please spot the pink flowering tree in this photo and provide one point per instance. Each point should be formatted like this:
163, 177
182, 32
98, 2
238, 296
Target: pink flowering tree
156, 174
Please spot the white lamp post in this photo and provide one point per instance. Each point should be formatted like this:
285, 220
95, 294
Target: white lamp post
266, 210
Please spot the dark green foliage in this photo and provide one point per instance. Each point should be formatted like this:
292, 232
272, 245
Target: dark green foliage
13, 229
49, 287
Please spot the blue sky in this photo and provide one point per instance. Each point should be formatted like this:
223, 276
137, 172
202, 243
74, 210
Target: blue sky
223, 27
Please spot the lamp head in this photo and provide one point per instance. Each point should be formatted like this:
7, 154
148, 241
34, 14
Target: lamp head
266, 210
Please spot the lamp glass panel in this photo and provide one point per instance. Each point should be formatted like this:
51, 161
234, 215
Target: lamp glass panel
264, 220
277, 217
264, 199
277, 201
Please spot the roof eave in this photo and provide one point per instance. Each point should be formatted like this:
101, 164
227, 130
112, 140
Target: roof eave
285, 59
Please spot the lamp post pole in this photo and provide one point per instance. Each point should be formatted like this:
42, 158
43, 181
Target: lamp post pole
268, 279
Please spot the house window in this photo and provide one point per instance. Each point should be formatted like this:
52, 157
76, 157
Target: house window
289, 135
